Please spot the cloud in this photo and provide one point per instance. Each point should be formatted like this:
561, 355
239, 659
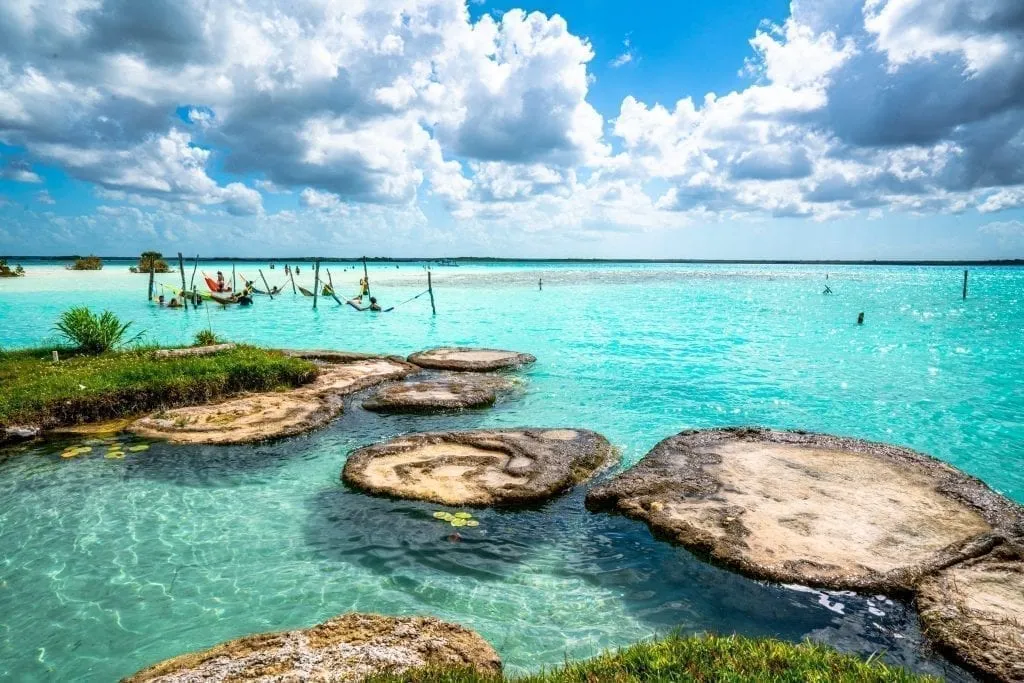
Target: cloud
1007, 233
43, 197
20, 172
626, 56
197, 109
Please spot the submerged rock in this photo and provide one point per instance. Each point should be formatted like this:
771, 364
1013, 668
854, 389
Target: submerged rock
479, 467
256, 417
467, 359
810, 508
975, 610
21, 432
346, 648
455, 391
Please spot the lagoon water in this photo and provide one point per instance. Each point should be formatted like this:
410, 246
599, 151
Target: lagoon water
107, 566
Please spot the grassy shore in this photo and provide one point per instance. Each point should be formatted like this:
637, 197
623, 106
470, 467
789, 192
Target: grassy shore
86, 388
696, 658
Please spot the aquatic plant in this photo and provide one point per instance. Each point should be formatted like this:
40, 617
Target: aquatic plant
91, 333
151, 261
458, 519
7, 271
87, 263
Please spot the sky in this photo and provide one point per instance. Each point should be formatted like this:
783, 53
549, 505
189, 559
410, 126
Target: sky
817, 129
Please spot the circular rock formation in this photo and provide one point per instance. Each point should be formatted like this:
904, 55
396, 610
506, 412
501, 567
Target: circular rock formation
974, 609
447, 392
479, 467
346, 648
257, 417
810, 508
240, 420
467, 359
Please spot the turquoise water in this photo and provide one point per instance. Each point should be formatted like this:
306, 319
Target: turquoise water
109, 565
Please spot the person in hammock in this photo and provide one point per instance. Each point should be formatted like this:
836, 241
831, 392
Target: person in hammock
374, 307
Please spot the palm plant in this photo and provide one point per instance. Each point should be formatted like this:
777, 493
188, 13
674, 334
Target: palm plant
91, 333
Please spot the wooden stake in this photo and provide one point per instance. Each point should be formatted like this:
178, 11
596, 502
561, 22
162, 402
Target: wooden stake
181, 269
152, 274
366, 277
965, 284
234, 287
192, 285
269, 293
330, 282
316, 281
291, 274
430, 288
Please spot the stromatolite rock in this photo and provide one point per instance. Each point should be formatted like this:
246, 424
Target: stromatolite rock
268, 415
346, 648
975, 610
810, 508
466, 359
479, 467
452, 391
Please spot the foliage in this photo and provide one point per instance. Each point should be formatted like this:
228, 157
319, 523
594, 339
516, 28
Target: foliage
88, 388
695, 658
91, 333
7, 271
152, 260
87, 263
206, 338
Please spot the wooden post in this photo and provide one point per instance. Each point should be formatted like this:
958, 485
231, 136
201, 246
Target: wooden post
366, 277
181, 269
965, 283
430, 288
334, 294
152, 274
269, 293
316, 281
196, 268
234, 287
291, 274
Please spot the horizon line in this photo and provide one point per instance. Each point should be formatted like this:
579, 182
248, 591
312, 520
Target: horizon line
501, 259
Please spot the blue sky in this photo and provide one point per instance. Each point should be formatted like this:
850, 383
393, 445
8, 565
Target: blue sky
816, 129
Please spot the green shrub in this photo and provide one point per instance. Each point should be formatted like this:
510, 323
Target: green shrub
91, 333
87, 263
206, 338
152, 260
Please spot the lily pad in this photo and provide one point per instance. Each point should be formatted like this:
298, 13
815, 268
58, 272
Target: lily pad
472, 522
138, 448
441, 515
463, 515
115, 455
458, 522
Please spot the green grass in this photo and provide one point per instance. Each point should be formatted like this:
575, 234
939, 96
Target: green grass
88, 388
695, 658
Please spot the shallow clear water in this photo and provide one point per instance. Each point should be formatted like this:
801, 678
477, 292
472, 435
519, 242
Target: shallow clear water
109, 565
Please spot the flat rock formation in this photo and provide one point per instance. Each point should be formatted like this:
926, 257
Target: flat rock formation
269, 415
464, 359
811, 509
479, 467
453, 391
975, 609
346, 648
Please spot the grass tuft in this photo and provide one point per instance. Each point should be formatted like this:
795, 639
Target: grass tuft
694, 658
